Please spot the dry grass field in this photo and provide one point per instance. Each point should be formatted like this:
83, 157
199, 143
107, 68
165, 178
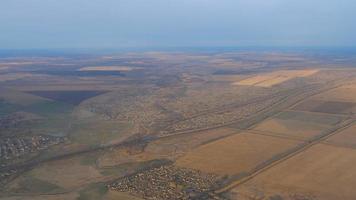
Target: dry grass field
331, 107
321, 172
341, 100
346, 138
346, 93
298, 125
274, 78
235, 154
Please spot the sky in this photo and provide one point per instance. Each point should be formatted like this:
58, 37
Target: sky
28, 24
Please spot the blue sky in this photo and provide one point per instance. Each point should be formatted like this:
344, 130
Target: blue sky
170, 23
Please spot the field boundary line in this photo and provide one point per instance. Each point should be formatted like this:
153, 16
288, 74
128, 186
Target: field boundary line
319, 113
275, 135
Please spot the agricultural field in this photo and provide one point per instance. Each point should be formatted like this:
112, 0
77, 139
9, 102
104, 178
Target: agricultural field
248, 150
274, 78
341, 100
331, 107
345, 138
177, 125
321, 172
297, 125
346, 93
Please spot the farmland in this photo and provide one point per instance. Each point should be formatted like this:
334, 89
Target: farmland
297, 125
341, 100
274, 78
252, 150
175, 125
308, 175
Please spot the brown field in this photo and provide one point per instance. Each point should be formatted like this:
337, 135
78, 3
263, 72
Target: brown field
274, 78
341, 100
235, 154
109, 68
346, 137
290, 128
299, 125
321, 172
345, 93
332, 107
165, 148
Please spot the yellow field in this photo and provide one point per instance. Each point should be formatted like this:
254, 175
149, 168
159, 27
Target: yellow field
323, 171
108, 68
235, 154
274, 78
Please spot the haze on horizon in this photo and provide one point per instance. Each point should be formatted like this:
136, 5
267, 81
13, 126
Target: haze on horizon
170, 23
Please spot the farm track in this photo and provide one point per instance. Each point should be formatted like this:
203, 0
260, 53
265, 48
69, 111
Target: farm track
289, 100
